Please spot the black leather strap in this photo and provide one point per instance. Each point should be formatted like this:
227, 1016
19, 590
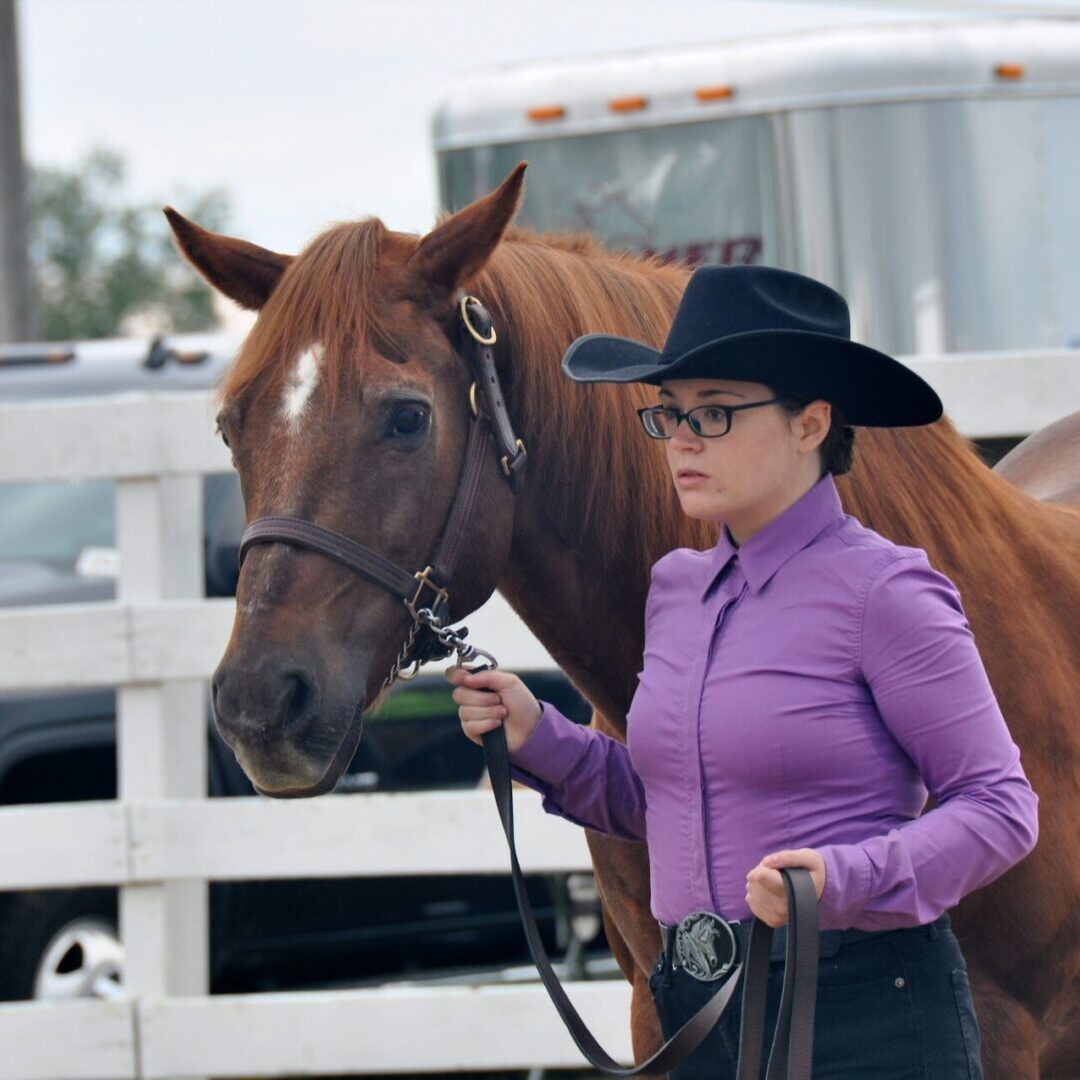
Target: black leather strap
800, 976
792, 1048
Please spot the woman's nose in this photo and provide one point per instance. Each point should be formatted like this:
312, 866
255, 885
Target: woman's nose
683, 435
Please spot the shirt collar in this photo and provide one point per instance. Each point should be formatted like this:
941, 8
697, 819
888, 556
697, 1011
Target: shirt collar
773, 544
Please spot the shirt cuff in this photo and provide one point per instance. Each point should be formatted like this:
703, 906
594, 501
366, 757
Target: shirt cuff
847, 885
553, 747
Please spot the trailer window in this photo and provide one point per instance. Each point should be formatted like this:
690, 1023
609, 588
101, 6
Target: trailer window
693, 193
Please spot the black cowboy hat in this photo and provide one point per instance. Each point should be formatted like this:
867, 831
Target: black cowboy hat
772, 326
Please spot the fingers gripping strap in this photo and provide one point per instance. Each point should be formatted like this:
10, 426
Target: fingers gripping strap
792, 1048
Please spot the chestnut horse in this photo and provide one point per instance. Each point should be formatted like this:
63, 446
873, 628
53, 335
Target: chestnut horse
347, 405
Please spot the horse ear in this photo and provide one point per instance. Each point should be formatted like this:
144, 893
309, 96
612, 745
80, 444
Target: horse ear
243, 272
458, 247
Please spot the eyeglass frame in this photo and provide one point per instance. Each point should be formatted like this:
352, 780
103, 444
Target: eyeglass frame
680, 416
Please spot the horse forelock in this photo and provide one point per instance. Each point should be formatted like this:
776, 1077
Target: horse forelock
327, 303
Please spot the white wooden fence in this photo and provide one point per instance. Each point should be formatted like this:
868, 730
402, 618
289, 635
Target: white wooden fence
162, 840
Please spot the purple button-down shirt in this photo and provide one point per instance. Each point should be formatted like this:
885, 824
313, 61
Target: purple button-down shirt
804, 689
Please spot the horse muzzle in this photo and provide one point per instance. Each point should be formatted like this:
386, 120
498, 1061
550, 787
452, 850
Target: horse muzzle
291, 735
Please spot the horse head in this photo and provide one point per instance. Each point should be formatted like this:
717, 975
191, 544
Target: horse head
347, 406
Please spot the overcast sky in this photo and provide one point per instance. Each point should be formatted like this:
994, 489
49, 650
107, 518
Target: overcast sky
316, 111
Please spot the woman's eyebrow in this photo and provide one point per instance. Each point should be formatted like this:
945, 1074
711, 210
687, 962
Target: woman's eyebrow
704, 393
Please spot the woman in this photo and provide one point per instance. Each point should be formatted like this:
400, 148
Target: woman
805, 683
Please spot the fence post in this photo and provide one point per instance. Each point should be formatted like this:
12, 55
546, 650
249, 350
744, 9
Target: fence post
161, 733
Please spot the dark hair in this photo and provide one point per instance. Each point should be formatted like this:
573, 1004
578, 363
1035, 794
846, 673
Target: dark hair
837, 449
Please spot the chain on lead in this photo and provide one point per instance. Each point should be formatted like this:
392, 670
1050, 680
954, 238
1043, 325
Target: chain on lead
452, 640
447, 637
402, 654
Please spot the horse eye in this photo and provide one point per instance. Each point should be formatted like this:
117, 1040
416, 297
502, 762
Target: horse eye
221, 431
408, 420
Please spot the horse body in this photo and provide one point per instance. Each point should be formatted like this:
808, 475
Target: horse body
1047, 463
571, 553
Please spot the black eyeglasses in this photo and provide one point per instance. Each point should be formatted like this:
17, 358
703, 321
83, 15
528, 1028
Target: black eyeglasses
708, 421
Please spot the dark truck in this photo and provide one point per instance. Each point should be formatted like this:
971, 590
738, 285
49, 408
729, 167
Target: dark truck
57, 546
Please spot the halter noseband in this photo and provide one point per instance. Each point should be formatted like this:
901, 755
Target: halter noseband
425, 593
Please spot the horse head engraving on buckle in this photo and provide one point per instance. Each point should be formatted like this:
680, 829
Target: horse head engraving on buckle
705, 946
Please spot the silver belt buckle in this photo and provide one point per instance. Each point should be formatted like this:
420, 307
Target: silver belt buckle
705, 946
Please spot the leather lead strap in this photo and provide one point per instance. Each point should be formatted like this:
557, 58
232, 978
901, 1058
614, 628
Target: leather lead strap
792, 1048
800, 975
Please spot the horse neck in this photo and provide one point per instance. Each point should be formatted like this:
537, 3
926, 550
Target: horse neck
928, 487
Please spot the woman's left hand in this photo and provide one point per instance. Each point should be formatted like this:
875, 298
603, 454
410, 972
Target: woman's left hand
765, 892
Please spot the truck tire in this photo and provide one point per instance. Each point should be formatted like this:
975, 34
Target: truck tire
59, 944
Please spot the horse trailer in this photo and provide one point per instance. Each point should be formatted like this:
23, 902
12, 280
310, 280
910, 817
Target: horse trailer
927, 170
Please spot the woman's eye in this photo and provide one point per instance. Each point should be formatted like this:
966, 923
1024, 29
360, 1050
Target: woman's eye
408, 420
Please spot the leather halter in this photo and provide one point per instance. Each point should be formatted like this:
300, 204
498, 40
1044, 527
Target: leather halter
425, 593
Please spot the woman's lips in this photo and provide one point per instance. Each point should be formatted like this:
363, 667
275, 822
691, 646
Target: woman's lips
687, 478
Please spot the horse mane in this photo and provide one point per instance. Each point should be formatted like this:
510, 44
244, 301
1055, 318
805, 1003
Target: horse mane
544, 290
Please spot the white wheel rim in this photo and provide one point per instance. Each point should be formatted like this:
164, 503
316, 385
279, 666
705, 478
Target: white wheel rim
84, 959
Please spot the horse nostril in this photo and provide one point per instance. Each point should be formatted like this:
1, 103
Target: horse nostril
299, 699
219, 697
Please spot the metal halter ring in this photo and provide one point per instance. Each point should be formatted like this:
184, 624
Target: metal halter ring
463, 307
696, 950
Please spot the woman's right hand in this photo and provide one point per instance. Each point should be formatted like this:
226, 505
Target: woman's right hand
489, 698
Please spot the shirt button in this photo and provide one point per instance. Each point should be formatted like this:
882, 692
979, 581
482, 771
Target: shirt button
898, 983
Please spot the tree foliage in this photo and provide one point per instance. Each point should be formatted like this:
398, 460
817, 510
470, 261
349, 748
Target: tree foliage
105, 266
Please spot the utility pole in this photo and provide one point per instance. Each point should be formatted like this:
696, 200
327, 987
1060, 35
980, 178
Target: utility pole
17, 315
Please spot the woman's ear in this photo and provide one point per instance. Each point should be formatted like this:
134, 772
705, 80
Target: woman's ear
813, 424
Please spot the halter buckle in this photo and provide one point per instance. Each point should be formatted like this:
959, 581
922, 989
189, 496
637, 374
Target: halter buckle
508, 463
442, 596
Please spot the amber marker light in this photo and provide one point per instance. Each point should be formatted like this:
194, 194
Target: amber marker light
628, 104
1009, 71
546, 112
714, 93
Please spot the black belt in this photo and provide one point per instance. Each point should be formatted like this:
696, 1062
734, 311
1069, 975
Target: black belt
707, 946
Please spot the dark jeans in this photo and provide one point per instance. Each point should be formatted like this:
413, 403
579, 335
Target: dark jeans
894, 1006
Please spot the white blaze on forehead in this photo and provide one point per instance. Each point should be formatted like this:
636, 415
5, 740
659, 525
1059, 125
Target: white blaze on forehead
300, 385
